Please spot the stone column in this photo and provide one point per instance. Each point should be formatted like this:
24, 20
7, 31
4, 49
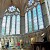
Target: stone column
22, 25
47, 9
0, 27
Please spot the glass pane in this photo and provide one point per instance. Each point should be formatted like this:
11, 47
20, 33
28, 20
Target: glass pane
35, 16
41, 26
13, 25
30, 2
18, 25
30, 21
34, 12
12, 8
35, 19
40, 20
35, 27
8, 25
40, 23
26, 23
3, 25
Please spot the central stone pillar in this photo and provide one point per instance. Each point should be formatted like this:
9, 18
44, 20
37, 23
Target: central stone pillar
0, 27
22, 24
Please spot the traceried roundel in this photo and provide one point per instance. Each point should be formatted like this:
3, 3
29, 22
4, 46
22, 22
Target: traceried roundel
30, 2
12, 9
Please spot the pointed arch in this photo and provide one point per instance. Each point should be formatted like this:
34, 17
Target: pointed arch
11, 21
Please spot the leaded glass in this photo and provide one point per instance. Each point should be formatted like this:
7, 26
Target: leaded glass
13, 25
8, 25
30, 21
40, 20
12, 8
3, 25
30, 2
26, 23
18, 24
35, 19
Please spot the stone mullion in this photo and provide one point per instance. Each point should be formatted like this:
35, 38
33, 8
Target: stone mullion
15, 24
10, 25
5, 26
28, 22
32, 19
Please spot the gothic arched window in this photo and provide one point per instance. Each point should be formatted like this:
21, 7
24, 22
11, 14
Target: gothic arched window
33, 19
40, 17
11, 21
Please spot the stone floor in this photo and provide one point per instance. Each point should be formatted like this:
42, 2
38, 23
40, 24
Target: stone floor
11, 49
14, 49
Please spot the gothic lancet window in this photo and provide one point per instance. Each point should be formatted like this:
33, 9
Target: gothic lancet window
40, 17
18, 24
11, 21
13, 25
8, 25
34, 18
3, 25
29, 21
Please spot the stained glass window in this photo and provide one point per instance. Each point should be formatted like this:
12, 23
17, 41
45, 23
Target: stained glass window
11, 8
3, 25
18, 24
40, 20
30, 2
30, 21
26, 23
13, 25
8, 25
35, 19
11, 21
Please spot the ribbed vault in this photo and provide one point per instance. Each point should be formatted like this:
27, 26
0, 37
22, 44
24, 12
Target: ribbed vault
21, 4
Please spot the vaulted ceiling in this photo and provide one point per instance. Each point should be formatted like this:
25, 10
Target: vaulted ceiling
21, 4
4, 4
